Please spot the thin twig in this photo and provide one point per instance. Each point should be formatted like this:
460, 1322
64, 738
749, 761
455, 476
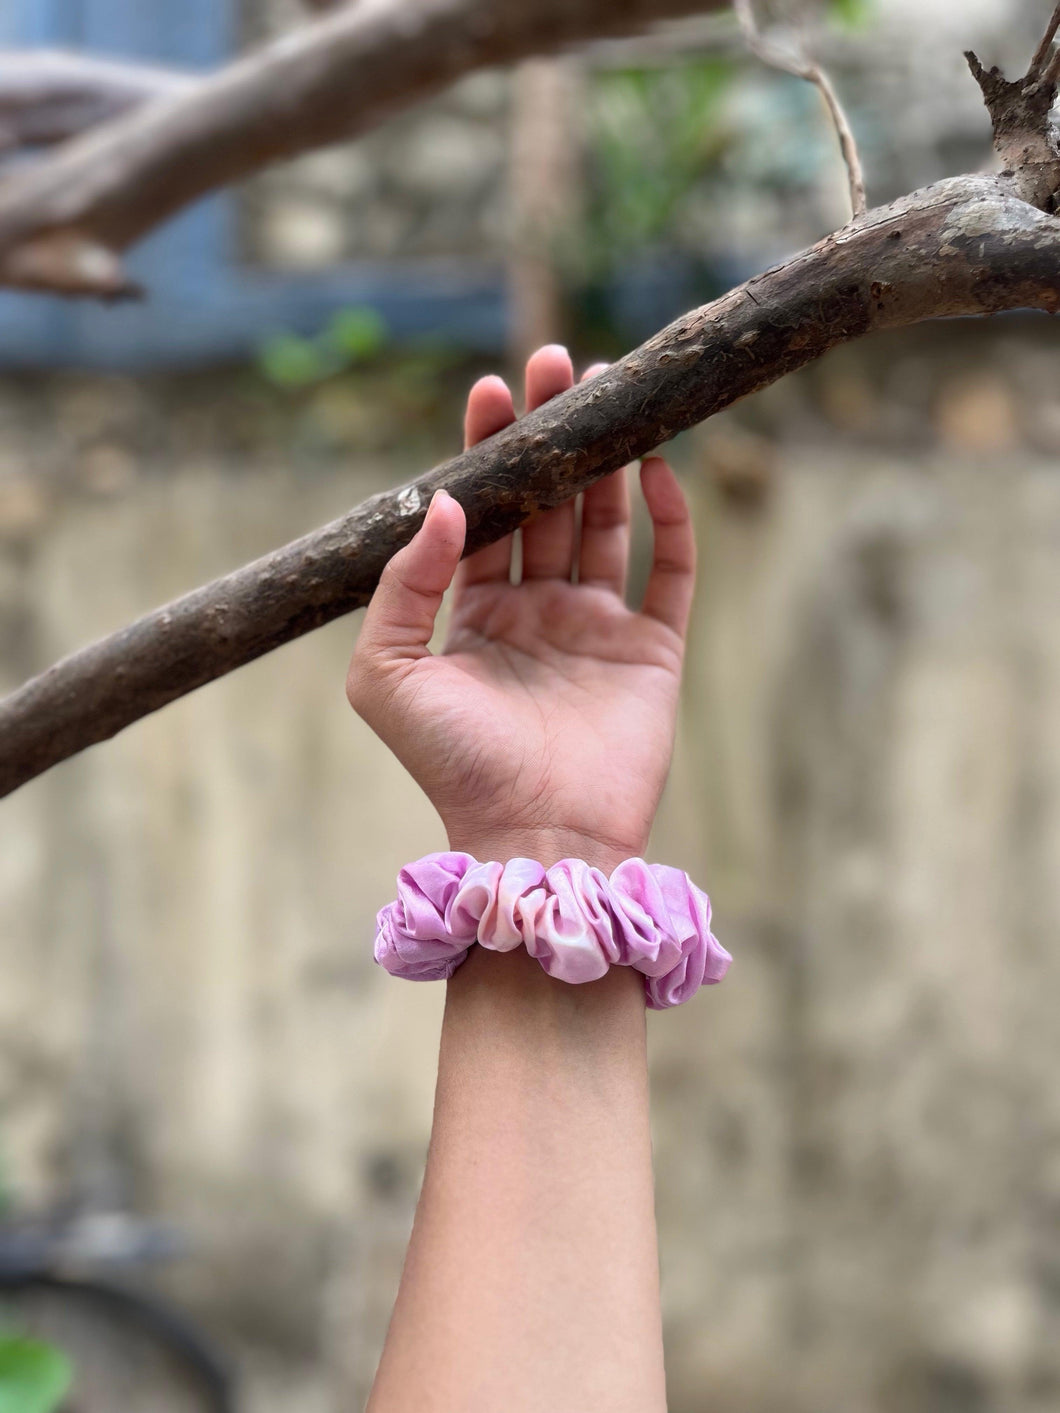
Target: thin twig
802, 67
1052, 73
1041, 55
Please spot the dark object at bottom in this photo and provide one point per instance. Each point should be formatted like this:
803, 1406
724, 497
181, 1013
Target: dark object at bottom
129, 1351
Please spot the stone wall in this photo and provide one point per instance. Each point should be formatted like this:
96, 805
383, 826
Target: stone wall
857, 1137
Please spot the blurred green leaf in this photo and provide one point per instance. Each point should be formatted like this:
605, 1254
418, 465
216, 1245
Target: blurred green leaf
655, 134
292, 362
34, 1377
352, 336
359, 334
851, 12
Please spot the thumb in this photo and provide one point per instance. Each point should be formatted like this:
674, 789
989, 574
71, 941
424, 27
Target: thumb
400, 618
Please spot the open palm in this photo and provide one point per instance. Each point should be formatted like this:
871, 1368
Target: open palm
545, 727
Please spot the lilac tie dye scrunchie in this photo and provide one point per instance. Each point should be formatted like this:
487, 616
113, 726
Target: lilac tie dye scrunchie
575, 920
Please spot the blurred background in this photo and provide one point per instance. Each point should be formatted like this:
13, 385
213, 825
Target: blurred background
858, 1136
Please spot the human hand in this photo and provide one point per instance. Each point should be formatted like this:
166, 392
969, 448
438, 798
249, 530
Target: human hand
545, 727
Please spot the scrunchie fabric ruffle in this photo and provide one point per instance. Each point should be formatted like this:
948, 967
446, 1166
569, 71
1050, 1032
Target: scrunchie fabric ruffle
575, 920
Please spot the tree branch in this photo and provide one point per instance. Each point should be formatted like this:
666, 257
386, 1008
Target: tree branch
804, 68
65, 220
48, 96
1045, 49
1024, 136
965, 246
685, 42
972, 245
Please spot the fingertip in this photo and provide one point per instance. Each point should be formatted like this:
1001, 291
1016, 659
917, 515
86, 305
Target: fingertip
549, 371
552, 352
490, 385
400, 614
653, 471
650, 465
490, 408
668, 596
594, 370
445, 516
662, 489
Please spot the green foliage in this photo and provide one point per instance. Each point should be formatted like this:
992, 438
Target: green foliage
34, 1377
352, 337
851, 12
662, 144
655, 132
359, 334
290, 361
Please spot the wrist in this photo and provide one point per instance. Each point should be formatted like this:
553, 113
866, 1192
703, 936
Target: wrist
544, 846
510, 991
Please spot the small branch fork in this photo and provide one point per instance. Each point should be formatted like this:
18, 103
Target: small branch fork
804, 68
1025, 137
1045, 66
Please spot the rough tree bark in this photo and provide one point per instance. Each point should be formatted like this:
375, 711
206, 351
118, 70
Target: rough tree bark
966, 246
1024, 138
970, 245
65, 219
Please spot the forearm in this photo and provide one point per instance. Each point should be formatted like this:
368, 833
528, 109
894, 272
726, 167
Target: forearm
543, 730
531, 1283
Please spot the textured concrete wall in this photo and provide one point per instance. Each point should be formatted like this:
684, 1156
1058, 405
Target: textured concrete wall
857, 1137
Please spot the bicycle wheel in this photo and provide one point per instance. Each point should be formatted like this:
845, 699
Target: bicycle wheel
130, 1353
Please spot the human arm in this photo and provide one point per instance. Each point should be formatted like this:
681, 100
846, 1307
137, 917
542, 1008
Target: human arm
531, 1281
544, 730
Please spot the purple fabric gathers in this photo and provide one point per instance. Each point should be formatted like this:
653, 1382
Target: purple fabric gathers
575, 920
